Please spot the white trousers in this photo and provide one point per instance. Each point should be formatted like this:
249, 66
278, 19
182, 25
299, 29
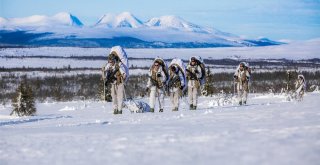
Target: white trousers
155, 92
242, 93
193, 95
117, 96
174, 97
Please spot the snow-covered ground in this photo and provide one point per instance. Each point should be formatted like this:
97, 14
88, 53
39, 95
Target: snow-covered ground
293, 51
267, 131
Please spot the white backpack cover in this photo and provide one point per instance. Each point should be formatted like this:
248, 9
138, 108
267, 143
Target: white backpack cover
179, 63
123, 58
203, 69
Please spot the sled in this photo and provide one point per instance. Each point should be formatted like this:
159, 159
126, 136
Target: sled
136, 106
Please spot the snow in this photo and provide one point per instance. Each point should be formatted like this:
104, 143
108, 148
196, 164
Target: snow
38, 21
169, 29
293, 51
171, 21
269, 130
122, 20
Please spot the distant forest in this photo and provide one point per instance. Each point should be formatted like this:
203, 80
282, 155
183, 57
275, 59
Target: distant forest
90, 86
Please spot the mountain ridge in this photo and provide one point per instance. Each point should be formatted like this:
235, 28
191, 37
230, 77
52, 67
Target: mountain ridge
167, 30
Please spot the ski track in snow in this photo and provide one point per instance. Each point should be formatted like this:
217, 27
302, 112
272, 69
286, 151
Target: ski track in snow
269, 130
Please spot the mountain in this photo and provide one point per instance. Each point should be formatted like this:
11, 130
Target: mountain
124, 19
176, 23
60, 19
123, 29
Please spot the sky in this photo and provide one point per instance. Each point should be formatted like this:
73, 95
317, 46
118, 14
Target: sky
283, 20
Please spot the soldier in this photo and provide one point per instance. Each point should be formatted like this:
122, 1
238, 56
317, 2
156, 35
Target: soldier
300, 87
115, 75
175, 85
194, 74
156, 83
241, 77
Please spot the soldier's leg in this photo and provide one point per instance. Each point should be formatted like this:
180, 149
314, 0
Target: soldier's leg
245, 96
239, 93
120, 97
190, 97
195, 97
161, 98
172, 99
176, 99
152, 98
114, 98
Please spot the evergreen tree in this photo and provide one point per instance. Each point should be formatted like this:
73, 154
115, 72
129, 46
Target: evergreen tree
23, 103
208, 86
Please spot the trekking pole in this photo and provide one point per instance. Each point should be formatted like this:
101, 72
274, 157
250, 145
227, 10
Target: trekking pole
158, 97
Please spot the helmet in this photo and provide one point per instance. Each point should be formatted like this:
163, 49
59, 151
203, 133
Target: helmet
112, 57
243, 64
300, 76
174, 68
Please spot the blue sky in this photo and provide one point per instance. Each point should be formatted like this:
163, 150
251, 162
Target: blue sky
275, 19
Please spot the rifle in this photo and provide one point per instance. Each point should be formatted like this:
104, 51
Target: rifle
172, 81
154, 82
110, 76
192, 75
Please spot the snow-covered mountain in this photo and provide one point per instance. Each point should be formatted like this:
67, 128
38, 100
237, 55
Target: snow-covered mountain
177, 23
124, 19
60, 19
123, 29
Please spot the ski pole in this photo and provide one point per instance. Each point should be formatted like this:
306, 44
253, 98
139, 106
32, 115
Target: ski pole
158, 97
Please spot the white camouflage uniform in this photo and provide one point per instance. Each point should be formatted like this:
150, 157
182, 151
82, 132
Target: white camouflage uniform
242, 84
193, 84
117, 86
175, 90
154, 90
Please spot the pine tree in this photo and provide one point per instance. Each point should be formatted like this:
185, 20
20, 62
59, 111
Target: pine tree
208, 89
23, 103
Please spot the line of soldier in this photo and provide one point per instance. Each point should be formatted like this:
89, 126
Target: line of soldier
115, 73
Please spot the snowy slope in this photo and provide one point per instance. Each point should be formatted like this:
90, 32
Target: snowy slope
177, 23
294, 51
268, 131
122, 20
125, 28
60, 19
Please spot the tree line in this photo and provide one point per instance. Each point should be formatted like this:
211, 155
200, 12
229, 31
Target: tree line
90, 86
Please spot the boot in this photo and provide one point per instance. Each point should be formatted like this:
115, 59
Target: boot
195, 107
161, 110
240, 102
151, 109
245, 102
115, 111
120, 112
191, 107
175, 109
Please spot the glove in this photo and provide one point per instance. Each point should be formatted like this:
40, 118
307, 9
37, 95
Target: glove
147, 89
159, 75
235, 77
181, 87
196, 71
